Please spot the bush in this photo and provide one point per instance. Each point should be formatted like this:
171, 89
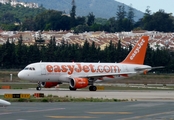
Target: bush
21, 100
44, 100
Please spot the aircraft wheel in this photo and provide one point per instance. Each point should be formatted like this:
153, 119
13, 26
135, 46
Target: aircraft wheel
38, 88
72, 89
92, 88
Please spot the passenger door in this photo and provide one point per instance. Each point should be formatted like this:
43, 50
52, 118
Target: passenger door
43, 69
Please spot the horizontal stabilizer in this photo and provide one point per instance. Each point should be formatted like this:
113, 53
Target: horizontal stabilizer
142, 68
158, 67
147, 68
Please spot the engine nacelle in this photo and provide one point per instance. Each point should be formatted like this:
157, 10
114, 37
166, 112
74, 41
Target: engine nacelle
49, 84
79, 82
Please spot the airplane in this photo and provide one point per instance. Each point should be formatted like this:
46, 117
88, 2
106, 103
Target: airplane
80, 75
4, 103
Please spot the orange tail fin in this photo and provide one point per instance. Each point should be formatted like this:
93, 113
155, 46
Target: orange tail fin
137, 54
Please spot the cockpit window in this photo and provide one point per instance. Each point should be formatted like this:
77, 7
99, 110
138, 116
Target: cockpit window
29, 68
26, 68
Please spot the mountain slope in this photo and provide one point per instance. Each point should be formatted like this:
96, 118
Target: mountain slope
100, 8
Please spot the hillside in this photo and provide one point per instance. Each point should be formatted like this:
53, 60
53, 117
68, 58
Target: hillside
100, 8
9, 14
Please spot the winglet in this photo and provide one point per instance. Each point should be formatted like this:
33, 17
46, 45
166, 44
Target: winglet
137, 54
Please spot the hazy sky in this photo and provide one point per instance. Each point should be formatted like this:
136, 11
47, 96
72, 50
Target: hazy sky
155, 5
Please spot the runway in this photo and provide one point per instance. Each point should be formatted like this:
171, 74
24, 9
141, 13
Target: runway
89, 111
142, 105
138, 95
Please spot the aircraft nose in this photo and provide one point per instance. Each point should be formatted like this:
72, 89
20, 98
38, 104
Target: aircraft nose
4, 102
8, 103
21, 75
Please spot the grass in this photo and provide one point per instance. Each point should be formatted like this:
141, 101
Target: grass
106, 87
51, 98
20, 85
5, 76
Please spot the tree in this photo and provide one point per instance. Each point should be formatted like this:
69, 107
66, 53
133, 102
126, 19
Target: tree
91, 19
8, 56
149, 54
85, 55
120, 16
64, 23
148, 11
48, 20
28, 24
8, 18
81, 29
33, 54
130, 17
162, 21
147, 20
73, 13
93, 51
17, 15
51, 48
112, 24
119, 52
159, 21
96, 27
80, 20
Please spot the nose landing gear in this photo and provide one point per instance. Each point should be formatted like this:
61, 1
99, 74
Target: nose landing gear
39, 86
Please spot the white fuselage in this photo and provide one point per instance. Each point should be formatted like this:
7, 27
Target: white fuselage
61, 72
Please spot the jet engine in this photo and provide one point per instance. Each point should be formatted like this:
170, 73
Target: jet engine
78, 82
49, 84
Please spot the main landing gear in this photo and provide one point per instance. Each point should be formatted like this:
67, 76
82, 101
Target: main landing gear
92, 88
39, 86
72, 89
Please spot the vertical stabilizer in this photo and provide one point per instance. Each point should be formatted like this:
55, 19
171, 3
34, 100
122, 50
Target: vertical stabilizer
137, 54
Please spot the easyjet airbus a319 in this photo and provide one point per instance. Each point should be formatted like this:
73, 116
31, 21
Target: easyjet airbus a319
81, 75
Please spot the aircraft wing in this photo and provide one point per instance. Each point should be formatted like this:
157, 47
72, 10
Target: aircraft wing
106, 74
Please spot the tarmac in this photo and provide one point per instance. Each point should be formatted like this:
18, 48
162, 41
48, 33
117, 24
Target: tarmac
138, 95
142, 105
139, 110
